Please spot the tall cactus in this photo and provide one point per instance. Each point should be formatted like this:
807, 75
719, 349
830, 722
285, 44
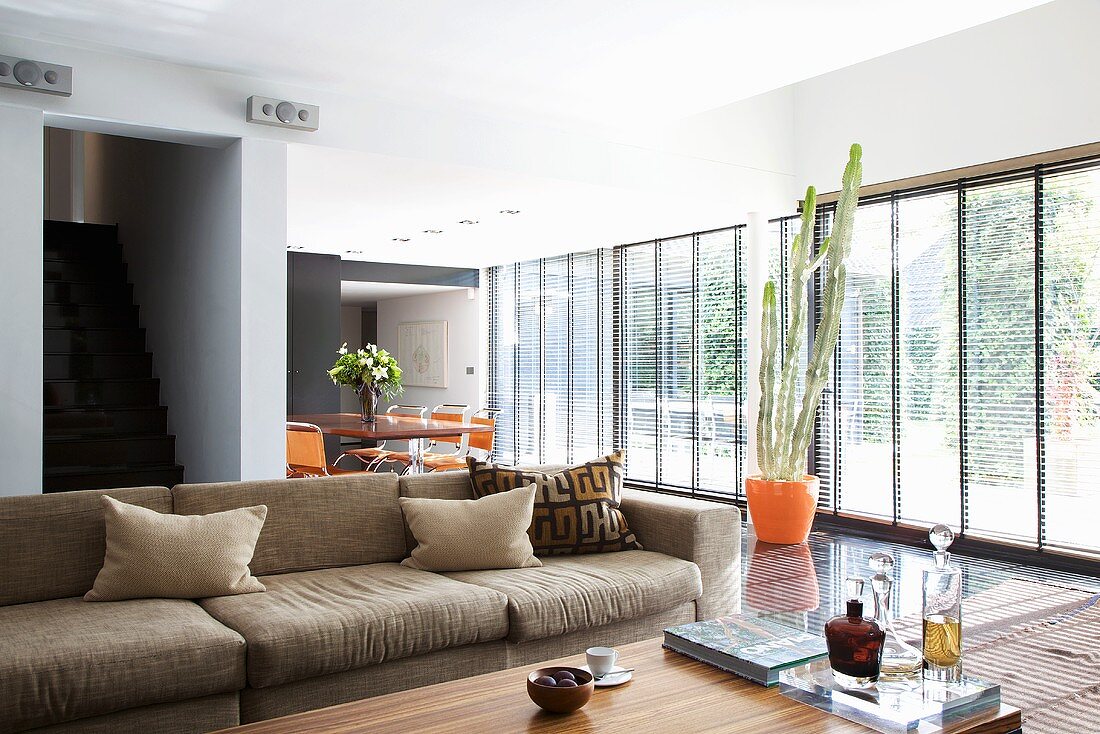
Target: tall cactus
783, 438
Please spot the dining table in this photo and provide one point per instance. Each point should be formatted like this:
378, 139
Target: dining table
391, 427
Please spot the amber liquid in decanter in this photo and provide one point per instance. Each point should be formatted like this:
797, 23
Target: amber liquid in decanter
855, 642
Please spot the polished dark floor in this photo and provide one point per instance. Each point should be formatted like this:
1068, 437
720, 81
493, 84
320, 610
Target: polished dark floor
803, 585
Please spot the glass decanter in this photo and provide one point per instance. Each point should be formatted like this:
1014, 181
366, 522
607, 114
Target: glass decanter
854, 642
899, 658
942, 615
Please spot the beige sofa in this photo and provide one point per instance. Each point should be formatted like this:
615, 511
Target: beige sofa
340, 619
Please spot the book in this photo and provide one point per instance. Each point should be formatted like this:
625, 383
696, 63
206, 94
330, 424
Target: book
752, 647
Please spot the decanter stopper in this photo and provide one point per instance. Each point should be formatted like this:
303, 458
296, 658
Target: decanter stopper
941, 537
854, 587
881, 583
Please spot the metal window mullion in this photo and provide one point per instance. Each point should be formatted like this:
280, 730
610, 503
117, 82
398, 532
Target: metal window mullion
960, 233
1040, 368
837, 455
658, 352
696, 384
515, 368
542, 359
739, 311
895, 363
572, 358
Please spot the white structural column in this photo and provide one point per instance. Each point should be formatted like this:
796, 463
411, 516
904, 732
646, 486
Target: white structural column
21, 285
756, 275
263, 308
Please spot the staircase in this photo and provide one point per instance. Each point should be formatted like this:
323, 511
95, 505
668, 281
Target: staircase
104, 425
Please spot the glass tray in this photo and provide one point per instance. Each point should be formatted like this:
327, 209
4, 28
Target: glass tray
892, 707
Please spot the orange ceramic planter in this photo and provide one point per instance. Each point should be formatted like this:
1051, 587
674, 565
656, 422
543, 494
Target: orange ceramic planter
782, 512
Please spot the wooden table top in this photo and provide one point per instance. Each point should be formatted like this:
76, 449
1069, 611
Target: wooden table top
395, 427
669, 693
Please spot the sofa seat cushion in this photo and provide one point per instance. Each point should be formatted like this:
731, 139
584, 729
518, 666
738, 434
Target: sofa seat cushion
571, 593
318, 622
67, 659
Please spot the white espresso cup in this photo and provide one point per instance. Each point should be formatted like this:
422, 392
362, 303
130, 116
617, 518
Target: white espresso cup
601, 660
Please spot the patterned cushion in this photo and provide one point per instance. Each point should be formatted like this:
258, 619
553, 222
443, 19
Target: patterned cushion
576, 509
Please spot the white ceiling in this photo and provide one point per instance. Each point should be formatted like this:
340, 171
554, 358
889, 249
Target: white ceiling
604, 63
355, 204
363, 293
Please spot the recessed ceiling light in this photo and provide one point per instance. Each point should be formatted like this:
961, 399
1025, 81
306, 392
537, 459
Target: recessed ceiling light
468, 221
433, 231
400, 239
509, 211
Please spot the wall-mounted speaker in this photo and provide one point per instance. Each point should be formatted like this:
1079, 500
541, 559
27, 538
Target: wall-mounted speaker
36, 76
280, 113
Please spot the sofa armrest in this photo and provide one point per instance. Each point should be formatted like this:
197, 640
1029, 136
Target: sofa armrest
705, 533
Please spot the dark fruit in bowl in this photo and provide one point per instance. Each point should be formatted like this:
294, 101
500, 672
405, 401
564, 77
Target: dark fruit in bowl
555, 691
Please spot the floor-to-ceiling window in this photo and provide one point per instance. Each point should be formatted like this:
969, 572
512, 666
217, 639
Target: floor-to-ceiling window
639, 346
965, 386
965, 382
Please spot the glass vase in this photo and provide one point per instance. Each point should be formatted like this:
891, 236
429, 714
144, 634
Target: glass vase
368, 400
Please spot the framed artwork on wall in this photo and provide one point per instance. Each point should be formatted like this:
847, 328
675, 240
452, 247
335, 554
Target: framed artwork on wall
422, 353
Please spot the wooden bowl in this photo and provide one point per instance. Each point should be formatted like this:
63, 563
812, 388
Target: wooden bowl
561, 700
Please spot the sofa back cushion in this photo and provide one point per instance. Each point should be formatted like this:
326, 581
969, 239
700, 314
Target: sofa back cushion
311, 523
52, 545
444, 485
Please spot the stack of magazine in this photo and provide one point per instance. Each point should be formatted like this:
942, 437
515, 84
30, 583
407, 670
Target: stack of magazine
752, 647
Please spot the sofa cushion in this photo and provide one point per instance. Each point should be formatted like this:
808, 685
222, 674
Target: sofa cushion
460, 535
52, 544
570, 593
65, 659
311, 523
318, 622
576, 509
161, 555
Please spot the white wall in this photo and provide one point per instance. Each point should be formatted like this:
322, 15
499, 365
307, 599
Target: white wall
351, 332
206, 254
1019, 85
464, 343
21, 285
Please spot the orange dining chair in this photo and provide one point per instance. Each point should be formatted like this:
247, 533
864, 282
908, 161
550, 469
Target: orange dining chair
372, 457
305, 453
482, 443
445, 412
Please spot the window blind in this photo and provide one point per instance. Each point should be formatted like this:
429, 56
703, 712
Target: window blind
638, 346
966, 384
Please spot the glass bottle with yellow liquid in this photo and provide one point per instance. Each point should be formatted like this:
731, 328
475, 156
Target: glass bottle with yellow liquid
942, 616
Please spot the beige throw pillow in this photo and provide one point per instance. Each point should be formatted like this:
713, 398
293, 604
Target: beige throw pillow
154, 555
469, 535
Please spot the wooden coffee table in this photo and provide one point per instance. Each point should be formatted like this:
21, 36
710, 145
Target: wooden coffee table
669, 693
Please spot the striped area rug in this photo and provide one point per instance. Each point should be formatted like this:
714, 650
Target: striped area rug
1042, 644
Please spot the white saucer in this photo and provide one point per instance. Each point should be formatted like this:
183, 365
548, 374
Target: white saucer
611, 679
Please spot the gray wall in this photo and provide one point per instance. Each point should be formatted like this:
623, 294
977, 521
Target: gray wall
21, 285
178, 210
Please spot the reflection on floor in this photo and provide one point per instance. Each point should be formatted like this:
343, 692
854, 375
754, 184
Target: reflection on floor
803, 585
